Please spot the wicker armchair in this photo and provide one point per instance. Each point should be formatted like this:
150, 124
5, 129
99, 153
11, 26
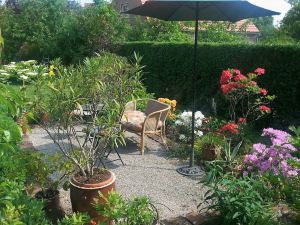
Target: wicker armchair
152, 121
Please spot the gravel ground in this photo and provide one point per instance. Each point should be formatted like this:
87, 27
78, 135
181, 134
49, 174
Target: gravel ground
153, 175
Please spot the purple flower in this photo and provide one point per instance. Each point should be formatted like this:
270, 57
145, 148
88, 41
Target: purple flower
245, 173
259, 147
272, 159
292, 173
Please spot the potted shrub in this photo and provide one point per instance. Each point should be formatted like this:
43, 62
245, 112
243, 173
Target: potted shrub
210, 146
104, 84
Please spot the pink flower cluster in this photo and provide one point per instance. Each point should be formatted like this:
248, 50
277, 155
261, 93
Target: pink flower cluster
272, 159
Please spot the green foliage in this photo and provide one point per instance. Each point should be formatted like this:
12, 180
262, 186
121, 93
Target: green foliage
238, 201
60, 29
75, 219
138, 211
180, 151
157, 30
17, 208
220, 32
87, 31
290, 22
169, 67
22, 72
295, 140
12, 101
293, 2
92, 84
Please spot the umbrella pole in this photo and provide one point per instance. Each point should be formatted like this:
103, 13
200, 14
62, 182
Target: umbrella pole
193, 170
192, 157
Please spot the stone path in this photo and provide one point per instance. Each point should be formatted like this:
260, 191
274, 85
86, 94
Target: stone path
153, 175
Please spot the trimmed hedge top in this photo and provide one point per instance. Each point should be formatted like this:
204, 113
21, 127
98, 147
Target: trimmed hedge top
169, 67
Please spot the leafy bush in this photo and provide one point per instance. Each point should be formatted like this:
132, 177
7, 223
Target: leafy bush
17, 208
60, 29
238, 201
168, 71
22, 71
104, 84
138, 211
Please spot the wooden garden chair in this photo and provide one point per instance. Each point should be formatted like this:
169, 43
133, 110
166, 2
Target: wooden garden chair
152, 121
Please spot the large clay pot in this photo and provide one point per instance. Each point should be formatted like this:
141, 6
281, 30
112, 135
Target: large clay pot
83, 196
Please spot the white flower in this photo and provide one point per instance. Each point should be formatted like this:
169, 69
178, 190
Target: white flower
181, 137
31, 73
11, 66
5, 74
2, 71
23, 77
199, 133
198, 123
30, 62
199, 115
23, 70
178, 122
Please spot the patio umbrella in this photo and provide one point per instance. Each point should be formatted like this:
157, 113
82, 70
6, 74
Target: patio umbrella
195, 10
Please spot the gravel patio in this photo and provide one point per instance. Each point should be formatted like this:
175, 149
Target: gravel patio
153, 175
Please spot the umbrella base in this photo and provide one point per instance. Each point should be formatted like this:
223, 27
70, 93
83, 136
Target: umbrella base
190, 171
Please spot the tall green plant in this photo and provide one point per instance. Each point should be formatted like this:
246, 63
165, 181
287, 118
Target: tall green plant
238, 201
103, 84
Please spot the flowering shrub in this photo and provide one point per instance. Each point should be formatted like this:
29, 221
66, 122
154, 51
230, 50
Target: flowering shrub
172, 103
247, 100
275, 159
231, 127
22, 71
184, 125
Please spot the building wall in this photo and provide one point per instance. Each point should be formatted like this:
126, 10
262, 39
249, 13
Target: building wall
124, 5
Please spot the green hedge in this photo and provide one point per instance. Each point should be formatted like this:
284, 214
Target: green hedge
169, 70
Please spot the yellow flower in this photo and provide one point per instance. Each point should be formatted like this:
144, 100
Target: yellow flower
51, 73
172, 116
51, 68
173, 103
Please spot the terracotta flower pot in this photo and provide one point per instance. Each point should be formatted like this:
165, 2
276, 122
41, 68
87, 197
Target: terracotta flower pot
83, 196
210, 152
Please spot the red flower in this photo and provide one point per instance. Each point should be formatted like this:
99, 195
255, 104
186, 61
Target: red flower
225, 77
230, 127
242, 120
253, 83
263, 91
240, 77
264, 108
236, 71
226, 88
260, 71
93, 222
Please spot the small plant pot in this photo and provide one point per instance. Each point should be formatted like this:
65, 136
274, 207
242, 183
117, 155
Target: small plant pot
52, 206
210, 152
84, 196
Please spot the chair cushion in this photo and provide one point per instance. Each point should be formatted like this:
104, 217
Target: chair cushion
133, 120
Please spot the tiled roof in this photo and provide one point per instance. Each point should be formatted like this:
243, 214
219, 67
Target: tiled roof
242, 25
250, 27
